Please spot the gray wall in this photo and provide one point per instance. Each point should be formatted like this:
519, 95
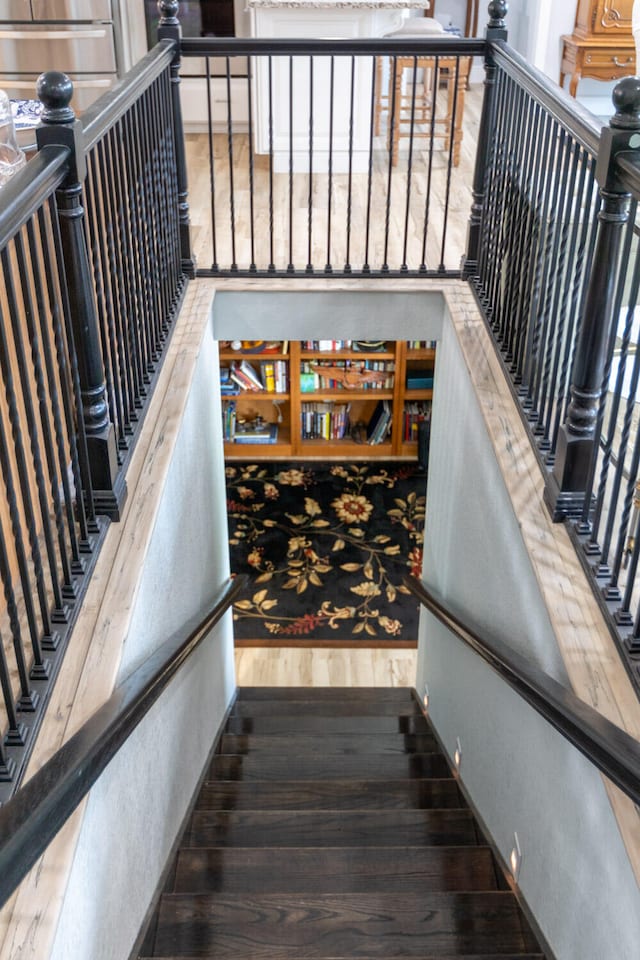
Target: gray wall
520, 774
135, 809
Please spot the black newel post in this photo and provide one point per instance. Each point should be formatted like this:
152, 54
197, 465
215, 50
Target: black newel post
59, 126
567, 485
169, 29
496, 30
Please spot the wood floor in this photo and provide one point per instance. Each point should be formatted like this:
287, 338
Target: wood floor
346, 837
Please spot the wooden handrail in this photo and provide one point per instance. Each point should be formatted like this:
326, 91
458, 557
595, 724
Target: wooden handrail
30, 820
613, 751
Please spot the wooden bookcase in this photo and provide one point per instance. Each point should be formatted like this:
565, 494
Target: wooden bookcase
362, 402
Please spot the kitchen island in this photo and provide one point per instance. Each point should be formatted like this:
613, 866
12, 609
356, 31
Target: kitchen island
327, 102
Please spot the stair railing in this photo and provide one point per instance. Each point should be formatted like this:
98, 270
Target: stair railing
613, 751
32, 818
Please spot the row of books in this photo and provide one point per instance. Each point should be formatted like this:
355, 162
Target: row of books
324, 421
421, 344
348, 374
413, 414
237, 430
272, 377
326, 345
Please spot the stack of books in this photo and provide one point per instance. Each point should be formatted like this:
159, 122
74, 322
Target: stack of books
267, 433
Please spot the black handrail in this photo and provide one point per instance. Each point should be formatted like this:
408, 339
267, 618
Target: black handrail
445, 46
31, 819
613, 751
30, 188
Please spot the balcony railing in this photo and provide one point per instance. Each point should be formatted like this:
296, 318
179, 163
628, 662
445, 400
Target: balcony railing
327, 159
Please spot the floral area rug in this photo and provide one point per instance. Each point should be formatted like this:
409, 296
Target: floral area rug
326, 547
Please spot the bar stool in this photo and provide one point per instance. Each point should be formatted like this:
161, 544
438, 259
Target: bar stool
436, 102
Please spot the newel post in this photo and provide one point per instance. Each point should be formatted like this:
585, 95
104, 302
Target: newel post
169, 29
59, 126
569, 482
496, 30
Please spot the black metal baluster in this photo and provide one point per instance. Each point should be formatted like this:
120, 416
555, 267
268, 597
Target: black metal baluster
447, 192
391, 134
252, 266
328, 268
290, 268
309, 268
272, 264
16, 733
404, 268
347, 259
366, 268
212, 169
427, 207
232, 197
28, 698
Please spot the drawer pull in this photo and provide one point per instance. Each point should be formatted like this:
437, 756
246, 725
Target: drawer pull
623, 63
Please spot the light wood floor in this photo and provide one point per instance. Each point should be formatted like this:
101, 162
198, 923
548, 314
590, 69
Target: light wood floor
321, 666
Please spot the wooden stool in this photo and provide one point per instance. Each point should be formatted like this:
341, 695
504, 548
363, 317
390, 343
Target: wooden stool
438, 104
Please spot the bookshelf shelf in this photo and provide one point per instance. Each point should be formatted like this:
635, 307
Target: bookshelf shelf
346, 415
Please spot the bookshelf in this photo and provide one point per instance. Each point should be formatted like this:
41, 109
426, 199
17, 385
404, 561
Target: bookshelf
331, 402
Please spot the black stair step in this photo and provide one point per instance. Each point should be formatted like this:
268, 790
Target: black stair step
343, 694
368, 767
212, 828
372, 926
306, 723
313, 870
330, 708
309, 745
336, 795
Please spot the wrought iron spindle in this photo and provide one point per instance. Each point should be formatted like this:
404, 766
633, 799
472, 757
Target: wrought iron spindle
309, 267
252, 229
366, 268
347, 258
391, 134
327, 267
212, 169
232, 196
404, 268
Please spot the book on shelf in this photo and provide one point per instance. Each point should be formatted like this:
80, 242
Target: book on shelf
324, 420
245, 376
413, 415
228, 387
266, 434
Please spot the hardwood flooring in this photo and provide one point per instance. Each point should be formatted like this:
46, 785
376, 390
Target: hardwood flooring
325, 845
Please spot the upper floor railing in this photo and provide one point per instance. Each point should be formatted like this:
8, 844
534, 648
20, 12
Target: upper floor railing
319, 158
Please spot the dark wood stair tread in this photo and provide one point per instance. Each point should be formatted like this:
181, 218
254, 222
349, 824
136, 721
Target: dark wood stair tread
334, 795
315, 927
307, 723
374, 828
330, 708
327, 694
302, 744
313, 870
368, 767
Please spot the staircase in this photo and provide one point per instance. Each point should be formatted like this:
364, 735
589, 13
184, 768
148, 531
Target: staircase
330, 826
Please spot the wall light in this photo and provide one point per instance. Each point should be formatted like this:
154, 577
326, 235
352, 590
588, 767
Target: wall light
425, 698
515, 858
457, 756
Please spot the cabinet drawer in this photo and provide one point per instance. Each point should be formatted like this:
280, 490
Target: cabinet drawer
611, 58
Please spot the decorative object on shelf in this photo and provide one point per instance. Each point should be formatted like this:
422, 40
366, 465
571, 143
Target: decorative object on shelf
369, 346
326, 548
350, 377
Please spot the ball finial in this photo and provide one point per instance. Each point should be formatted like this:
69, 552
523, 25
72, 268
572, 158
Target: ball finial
626, 100
55, 89
497, 12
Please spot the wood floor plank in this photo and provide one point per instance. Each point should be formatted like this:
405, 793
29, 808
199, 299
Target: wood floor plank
264, 927
319, 708
313, 870
281, 725
337, 795
307, 744
367, 767
312, 828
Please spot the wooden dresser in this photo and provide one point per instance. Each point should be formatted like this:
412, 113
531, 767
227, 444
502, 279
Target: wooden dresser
601, 45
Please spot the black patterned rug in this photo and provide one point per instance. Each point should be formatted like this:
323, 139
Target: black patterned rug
326, 547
